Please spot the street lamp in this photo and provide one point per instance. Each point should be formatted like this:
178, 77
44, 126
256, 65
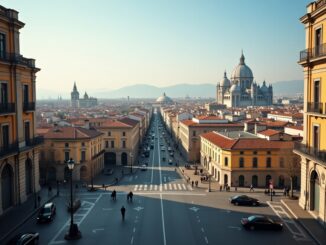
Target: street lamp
209, 183
131, 156
73, 233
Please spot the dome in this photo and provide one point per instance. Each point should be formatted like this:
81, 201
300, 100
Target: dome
164, 99
264, 88
242, 70
235, 88
225, 82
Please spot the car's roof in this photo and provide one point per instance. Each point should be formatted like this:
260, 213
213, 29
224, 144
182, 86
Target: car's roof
48, 205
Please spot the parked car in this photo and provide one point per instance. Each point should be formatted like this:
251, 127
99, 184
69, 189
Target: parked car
244, 200
47, 213
143, 167
25, 239
163, 148
259, 222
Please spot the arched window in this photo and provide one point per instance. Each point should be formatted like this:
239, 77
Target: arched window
226, 161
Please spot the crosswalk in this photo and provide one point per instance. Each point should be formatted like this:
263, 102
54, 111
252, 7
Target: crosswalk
163, 187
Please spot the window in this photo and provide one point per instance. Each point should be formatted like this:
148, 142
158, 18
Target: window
27, 133
109, 133
123, 133
83, 156
241, 152
123, 144
2, 45
5, 136
67, 157
226, 161
25, 94
241, 162
268, 162
83, 144
194, 133
255, 152
112, 144
3, 93
255, 162
316, 91
106, 144
268, 152
66, 144
281, 162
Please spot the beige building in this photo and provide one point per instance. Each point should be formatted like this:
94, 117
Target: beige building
241, 159
313, 148
84, 146
19, 146
121, 141
190, 130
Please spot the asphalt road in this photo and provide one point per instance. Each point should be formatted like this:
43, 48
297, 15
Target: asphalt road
165, 210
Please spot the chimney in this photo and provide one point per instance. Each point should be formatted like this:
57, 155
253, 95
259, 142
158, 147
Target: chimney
86, 125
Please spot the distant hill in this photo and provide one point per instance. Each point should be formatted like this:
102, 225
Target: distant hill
205, 90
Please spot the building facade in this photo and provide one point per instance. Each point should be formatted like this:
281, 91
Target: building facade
19, 146
83, 145
240, 159
241, 90
313, 147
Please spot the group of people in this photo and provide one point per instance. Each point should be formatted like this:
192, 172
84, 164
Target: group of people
129, 199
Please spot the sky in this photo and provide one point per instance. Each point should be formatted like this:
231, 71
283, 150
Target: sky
108, 44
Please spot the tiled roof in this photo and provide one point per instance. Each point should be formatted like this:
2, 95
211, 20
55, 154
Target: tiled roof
295, 127
71, 133
219, 140
129, 121
269, 132
209, 117
191, 123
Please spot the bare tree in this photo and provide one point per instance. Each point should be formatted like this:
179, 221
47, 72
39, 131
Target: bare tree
293, 170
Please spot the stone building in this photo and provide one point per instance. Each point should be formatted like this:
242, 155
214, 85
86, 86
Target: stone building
84, 102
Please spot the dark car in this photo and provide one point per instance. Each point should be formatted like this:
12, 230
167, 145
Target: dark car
47, 213
244, 200
258, 222
25, 239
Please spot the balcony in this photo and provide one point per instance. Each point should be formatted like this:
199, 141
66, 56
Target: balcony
311, 152
7, 108
310, 54
9, 149
29, 106
17, 59
315, 107
38, 140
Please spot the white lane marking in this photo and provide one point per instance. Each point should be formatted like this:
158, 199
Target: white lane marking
184, 187
134, 230
170, 187
179, 186
132, 240
163, 223
206, 240
165, 187
151, 187
155, 187
161, 187
202, 230
140, 187
195, 209
145, 187
174, 186
235, 227
96, 230
171, 193
190, 188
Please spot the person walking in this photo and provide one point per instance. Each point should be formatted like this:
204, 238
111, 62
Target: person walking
114, 195
123, 212
251, 188
192, 183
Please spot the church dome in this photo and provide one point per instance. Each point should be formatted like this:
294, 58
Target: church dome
241, 71
163, 99
235, 88
264, 88
225, 82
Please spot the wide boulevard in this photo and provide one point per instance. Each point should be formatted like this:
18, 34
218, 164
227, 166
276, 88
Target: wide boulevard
165, 210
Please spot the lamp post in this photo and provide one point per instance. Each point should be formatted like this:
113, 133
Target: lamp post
209, 183
131, 156
73, 233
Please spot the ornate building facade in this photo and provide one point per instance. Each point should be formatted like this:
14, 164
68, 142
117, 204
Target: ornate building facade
241, 90
86, 101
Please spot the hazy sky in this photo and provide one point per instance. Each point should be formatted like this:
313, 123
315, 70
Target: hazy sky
104, 44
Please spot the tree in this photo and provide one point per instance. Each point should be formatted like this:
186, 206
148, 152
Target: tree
293, 170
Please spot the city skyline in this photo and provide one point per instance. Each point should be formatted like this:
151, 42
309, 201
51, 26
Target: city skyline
159, 43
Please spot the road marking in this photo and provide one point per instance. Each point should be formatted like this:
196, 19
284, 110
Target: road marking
151, 187
138, 208
179, 186
184, 187
136, 188
160, 187
170, 187
174, 186
145, 187
163, 223
107, 209
155, 187
235, 227
96, 230
134, 230
206, 240
195, 209
132, 240
140, 187
165, 186
202, 230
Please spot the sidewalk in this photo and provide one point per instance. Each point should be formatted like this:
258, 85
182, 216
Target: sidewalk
18, 215
305, 219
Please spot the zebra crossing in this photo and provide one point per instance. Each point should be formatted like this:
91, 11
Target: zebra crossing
163, 187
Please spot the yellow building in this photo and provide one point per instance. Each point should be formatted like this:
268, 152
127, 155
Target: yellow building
121, 141
313, 147
19, 148
83, 145
241, 159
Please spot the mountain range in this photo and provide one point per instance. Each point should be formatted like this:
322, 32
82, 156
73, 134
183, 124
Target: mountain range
204, 90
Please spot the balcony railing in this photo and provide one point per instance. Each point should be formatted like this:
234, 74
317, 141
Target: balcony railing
311, 151
7, 108
311, 53
35, 141
17, 58
29, 106
315, 107
8, 149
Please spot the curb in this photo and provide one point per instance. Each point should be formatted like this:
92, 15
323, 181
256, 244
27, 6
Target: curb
302, 224
25, 220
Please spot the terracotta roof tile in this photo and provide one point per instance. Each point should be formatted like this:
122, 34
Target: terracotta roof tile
269, 132
71, 133
219, 140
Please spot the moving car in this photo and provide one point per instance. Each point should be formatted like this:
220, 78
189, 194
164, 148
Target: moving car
244, 200
163, 148
24, 239
47, 213
259, 222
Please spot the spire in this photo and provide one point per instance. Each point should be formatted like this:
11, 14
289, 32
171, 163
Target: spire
242, 58
225, 74
75, 87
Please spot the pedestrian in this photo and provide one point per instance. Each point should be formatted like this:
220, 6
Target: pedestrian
196, 183
123, 212
251, 188
284, 191
192, 183
221, 187
39, 200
